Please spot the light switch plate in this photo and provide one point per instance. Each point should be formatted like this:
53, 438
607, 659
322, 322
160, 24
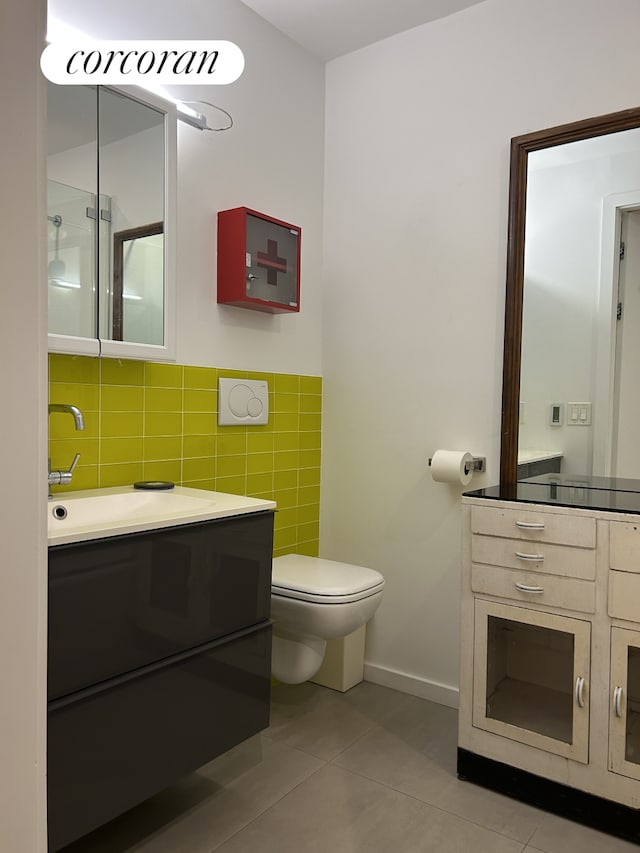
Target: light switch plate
243, 401
578, 414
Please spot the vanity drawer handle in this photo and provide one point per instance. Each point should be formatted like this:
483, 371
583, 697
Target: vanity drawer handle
537, 590
617, 701
580, 691
530, 525
538, 558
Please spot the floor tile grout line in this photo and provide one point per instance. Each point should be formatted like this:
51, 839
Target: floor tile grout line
434, 806
374, 726
275, 803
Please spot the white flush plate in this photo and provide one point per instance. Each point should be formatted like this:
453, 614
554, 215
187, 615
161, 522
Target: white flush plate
243, 401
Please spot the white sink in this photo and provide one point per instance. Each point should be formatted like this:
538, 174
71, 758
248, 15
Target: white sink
99, 513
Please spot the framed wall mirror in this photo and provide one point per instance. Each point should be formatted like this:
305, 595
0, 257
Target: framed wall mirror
111, 172
571, 392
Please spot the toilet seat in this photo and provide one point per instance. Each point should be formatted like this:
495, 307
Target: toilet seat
323, 581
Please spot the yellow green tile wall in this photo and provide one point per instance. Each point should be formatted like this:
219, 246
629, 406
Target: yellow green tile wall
152, 421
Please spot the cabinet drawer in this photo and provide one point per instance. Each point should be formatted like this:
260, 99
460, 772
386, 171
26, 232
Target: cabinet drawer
536, 526
113, 746
624, 546
564, 593
121, 603
624, 596
552, 559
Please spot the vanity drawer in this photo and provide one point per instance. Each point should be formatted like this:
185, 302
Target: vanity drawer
111, 747
624, 546
553, 559
536, 526
624, 596
564, 593
121, 603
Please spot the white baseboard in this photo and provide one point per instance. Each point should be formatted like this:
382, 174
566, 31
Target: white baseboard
443, 694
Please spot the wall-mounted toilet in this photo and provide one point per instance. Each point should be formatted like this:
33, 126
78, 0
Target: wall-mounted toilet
314, 600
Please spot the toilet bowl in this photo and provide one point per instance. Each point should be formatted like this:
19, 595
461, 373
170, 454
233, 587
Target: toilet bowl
312, 601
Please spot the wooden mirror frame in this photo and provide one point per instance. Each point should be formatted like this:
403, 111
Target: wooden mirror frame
520, 148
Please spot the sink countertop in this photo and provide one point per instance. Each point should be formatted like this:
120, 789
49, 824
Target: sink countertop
101, 513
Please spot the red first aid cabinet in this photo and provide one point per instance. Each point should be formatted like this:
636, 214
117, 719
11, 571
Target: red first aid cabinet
258, 261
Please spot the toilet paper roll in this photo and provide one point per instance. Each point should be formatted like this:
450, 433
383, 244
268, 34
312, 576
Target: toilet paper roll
452, 466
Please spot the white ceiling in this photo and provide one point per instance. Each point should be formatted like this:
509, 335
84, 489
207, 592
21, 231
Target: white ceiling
331, 28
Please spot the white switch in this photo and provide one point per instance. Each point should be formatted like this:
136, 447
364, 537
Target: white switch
579, 414
243, 401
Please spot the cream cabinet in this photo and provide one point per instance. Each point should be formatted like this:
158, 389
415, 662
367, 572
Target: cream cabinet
550, 657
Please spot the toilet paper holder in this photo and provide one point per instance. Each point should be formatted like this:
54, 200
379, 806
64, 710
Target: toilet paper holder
478, 463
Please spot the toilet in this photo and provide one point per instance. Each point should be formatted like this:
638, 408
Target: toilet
314, 600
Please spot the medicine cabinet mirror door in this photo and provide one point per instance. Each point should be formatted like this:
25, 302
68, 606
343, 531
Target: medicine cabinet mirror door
624, 730
71, 218
111, 205
531, 678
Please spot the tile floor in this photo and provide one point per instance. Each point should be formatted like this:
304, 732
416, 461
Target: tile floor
369, 770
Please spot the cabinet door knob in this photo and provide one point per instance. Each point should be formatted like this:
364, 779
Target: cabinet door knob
580, 691
538, 558
523, 587
617, 701
530, 525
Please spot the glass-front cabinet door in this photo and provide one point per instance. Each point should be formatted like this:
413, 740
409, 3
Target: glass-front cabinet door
531, 674
624, 731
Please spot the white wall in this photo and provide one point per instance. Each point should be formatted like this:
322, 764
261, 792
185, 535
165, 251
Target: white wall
417, 162
23, 561
272, 161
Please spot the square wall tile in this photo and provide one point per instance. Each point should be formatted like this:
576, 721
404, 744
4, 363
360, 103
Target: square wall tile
121, 424
203, 468
162, 423
311, 385
198, 445
113, 450
201, 377
73, 368
165, 469
163, 399
158, 375
286, 383
85, 396
122, 398
155, 448
117, 371
200, 400
123, 474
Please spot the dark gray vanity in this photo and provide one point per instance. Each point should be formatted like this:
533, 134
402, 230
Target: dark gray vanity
159, 661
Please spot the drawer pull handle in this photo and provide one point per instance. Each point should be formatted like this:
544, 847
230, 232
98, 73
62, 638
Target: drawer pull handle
537, 590
530, 525
580, 691
538, 558
617, 701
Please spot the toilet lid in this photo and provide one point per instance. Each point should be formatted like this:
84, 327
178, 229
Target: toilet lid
297, 576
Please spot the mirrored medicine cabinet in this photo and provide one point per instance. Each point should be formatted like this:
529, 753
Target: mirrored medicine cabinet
110, 222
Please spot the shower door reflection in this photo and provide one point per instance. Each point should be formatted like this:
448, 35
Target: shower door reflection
71, 260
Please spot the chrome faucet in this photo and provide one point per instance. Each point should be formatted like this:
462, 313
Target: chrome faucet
57, 478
